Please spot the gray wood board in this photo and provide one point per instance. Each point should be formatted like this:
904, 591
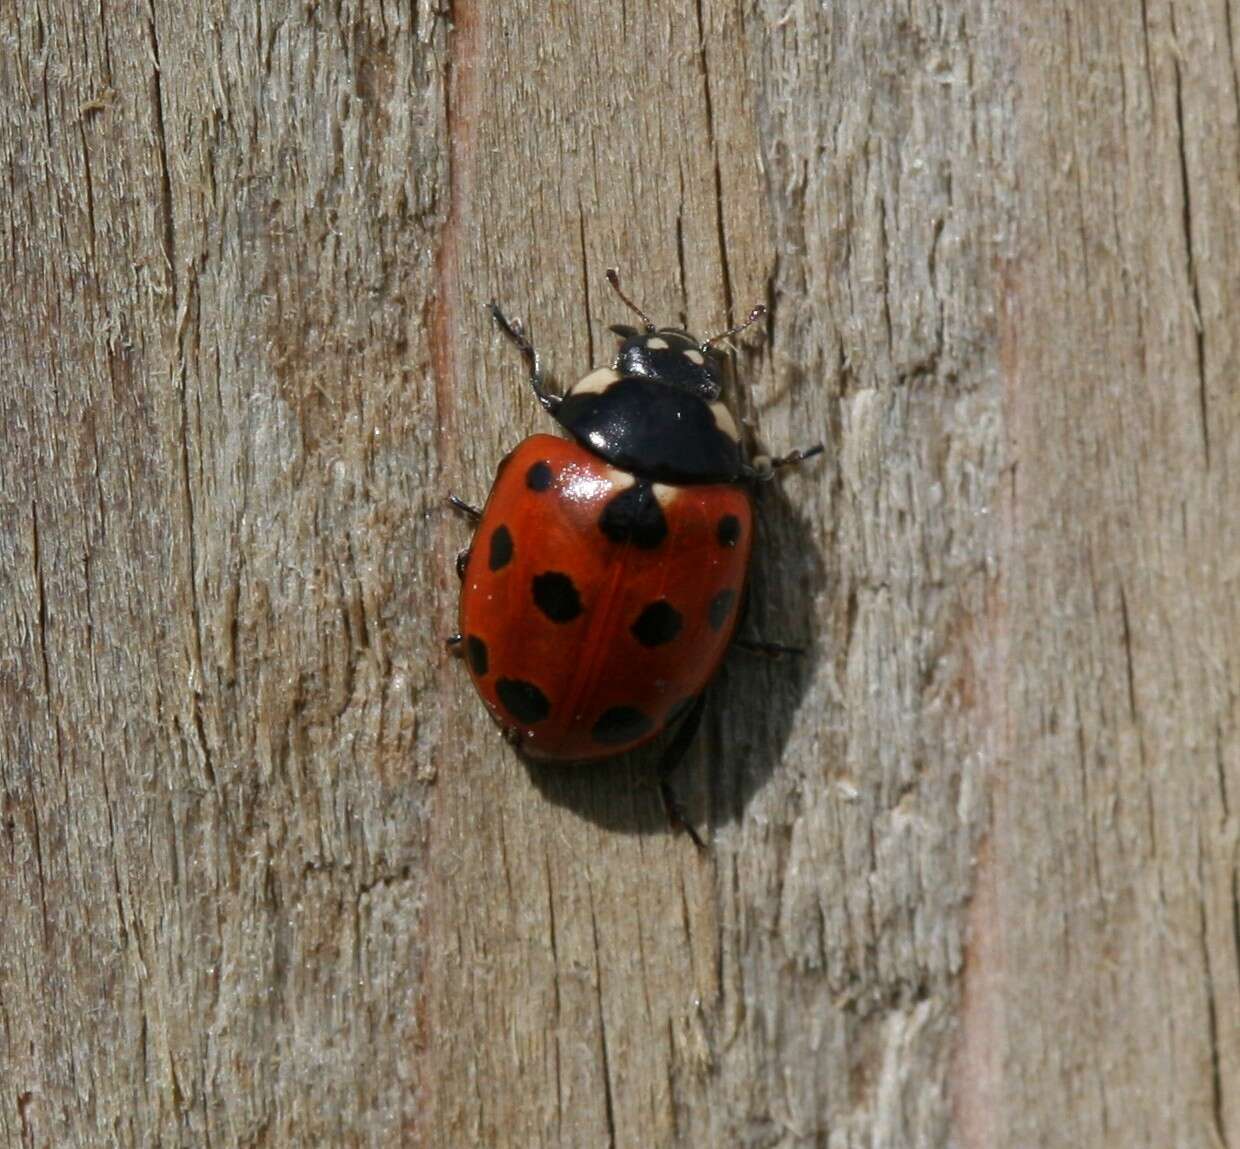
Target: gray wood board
269, 876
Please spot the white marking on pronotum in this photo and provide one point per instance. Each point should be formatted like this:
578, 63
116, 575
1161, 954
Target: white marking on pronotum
665, 495
619, 479
656, 344
596, 382
695, 356
724, 421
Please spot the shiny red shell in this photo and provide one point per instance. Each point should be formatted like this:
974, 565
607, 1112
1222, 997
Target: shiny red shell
585, 638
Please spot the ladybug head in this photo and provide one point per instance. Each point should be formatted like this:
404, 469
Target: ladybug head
671, 356
656, 412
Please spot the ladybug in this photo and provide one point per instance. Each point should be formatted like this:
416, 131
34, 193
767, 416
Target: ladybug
607, 573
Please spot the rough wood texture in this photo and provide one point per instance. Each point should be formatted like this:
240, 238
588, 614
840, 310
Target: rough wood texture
267, 875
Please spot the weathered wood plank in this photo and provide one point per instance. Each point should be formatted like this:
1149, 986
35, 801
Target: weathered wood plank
1115, 926
846, 795
219, 253
267, 874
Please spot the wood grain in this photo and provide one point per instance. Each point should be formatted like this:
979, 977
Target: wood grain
267, 874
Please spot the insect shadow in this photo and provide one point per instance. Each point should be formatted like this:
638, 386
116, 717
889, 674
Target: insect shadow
751, 705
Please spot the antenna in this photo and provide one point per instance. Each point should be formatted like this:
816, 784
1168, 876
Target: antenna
756, 314
613, 277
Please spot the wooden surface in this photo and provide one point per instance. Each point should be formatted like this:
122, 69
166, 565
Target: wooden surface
267, 875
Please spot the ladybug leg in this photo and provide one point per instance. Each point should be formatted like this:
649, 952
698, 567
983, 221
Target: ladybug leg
672, 757
515, 332
763, 467
473, 514
467, 509
798, 456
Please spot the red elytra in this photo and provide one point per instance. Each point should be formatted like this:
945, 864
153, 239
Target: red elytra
596, 606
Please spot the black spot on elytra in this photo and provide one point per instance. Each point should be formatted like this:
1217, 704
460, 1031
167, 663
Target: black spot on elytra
523, 700
556, 596
539, 476
621, 724
721, 607
634, 515
728, 531
476, 651
501, 548
660, 622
